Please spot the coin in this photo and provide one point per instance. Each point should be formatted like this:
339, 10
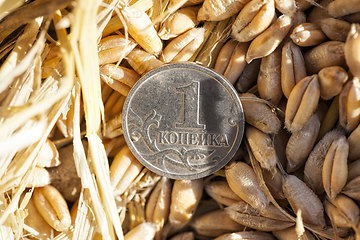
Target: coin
183, 121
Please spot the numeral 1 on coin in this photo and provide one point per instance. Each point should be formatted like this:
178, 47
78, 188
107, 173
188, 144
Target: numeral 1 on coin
190, 110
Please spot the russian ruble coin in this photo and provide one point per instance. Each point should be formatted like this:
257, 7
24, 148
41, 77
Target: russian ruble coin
183, 121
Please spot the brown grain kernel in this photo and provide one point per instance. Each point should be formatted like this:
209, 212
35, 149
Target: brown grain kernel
158, 204
259, 114
221, 192
119, 78
184, 236
318, 12
246, 235
327, 54
270, 39
217, 10
142, 62
231, 60
52, 207
144, 231
209, 225
287, 7
335, 29
292, 67
351, 48
185, 197
335, 169
315, 161
253, 19
248, 76
349, 105
301, 197
352, 188
346, 212
291, 234
114, 48
307, 34
269, 78
242, 180
331, 80
339, 8
185, 3
269, 219
184, 46
354, 144
123, 170
262, 147
353, 170
301, 143
36, 221
302, 103
142, 29
179, 22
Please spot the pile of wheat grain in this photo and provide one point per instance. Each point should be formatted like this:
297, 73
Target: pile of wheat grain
68, 65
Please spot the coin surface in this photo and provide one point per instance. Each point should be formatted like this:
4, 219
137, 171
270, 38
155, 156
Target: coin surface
183, 121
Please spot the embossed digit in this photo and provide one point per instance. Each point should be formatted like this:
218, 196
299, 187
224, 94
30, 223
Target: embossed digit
191, 102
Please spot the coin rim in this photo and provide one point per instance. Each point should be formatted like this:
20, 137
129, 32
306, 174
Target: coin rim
214, 74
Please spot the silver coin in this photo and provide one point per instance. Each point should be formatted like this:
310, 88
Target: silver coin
183, 121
